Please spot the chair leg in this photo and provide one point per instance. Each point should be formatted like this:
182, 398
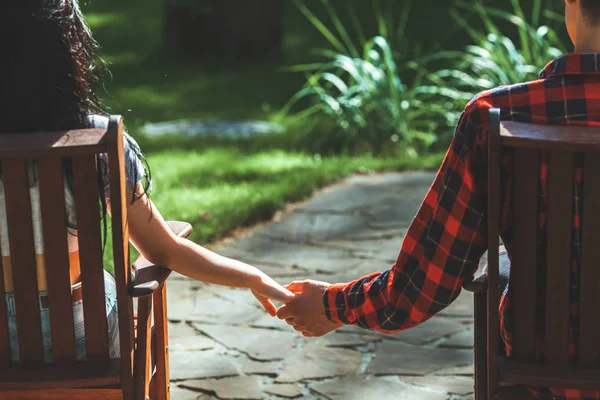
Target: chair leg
161, 331
480, 347
142, 367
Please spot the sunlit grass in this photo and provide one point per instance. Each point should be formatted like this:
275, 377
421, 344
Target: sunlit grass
218, 190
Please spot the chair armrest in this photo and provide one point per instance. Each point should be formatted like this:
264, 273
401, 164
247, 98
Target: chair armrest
147, 277
477, 285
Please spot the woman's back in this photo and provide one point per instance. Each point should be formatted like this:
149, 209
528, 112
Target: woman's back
134, 172
48, 78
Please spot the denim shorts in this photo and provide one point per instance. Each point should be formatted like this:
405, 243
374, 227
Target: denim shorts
110, 289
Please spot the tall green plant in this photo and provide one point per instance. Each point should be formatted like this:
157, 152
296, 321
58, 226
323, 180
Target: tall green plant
357, 88
345, 41
495, 59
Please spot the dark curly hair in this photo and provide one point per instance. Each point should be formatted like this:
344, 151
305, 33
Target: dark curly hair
50, 71
50, 66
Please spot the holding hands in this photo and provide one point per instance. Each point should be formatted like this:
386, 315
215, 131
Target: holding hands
302, 307
267, 290
306, 312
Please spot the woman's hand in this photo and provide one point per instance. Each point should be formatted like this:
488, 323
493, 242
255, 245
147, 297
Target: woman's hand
267, 289
307, 313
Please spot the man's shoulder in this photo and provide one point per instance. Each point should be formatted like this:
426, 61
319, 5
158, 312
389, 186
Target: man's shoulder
503, 97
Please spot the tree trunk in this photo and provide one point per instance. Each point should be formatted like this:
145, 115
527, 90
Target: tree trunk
223, 30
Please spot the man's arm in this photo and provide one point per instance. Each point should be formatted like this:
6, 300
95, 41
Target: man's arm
441, 249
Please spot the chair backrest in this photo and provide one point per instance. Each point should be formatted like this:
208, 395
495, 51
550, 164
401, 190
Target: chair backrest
560, 146
49, 150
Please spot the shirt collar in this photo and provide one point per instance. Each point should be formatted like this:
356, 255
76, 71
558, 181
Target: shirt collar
573, 64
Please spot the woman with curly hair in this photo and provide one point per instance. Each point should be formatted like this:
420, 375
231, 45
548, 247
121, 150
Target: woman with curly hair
49, 73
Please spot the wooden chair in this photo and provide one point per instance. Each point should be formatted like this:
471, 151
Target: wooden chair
501, 377
142, 369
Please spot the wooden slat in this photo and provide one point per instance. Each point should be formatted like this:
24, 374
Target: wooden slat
180, 229
494, 198
560, 197
20, 231
90, 253
564, 137
120, 232
514, 393
161, 332
4, 337
63, 143
589, 345
143, 350
153, 388
480, 344
60, 377
523, 267
547, 376
56, 253
62, 394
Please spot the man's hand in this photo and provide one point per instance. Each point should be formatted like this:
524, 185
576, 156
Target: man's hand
306, 313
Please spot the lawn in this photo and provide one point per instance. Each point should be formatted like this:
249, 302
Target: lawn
216, 185
220, 189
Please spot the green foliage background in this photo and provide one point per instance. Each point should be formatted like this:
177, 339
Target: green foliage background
148, 87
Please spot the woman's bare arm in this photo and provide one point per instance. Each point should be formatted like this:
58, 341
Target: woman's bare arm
151, 236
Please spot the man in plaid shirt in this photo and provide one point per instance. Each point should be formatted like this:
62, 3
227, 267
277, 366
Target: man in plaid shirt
447, 238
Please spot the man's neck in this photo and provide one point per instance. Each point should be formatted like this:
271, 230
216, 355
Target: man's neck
588, 40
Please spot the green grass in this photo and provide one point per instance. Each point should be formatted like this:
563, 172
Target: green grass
218, 190
221, 189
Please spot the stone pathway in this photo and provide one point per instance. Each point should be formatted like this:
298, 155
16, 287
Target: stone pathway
224, 346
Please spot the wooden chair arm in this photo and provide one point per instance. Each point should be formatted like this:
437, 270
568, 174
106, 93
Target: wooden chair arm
477, 285
149, 277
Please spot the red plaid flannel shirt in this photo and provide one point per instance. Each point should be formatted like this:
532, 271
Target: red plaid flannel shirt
447, 238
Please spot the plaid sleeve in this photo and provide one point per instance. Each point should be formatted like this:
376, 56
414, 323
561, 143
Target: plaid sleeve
441, 249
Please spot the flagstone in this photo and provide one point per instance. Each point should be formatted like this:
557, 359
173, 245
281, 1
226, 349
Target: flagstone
239, 387
259, 344
316, 361
397, 358
369, 387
